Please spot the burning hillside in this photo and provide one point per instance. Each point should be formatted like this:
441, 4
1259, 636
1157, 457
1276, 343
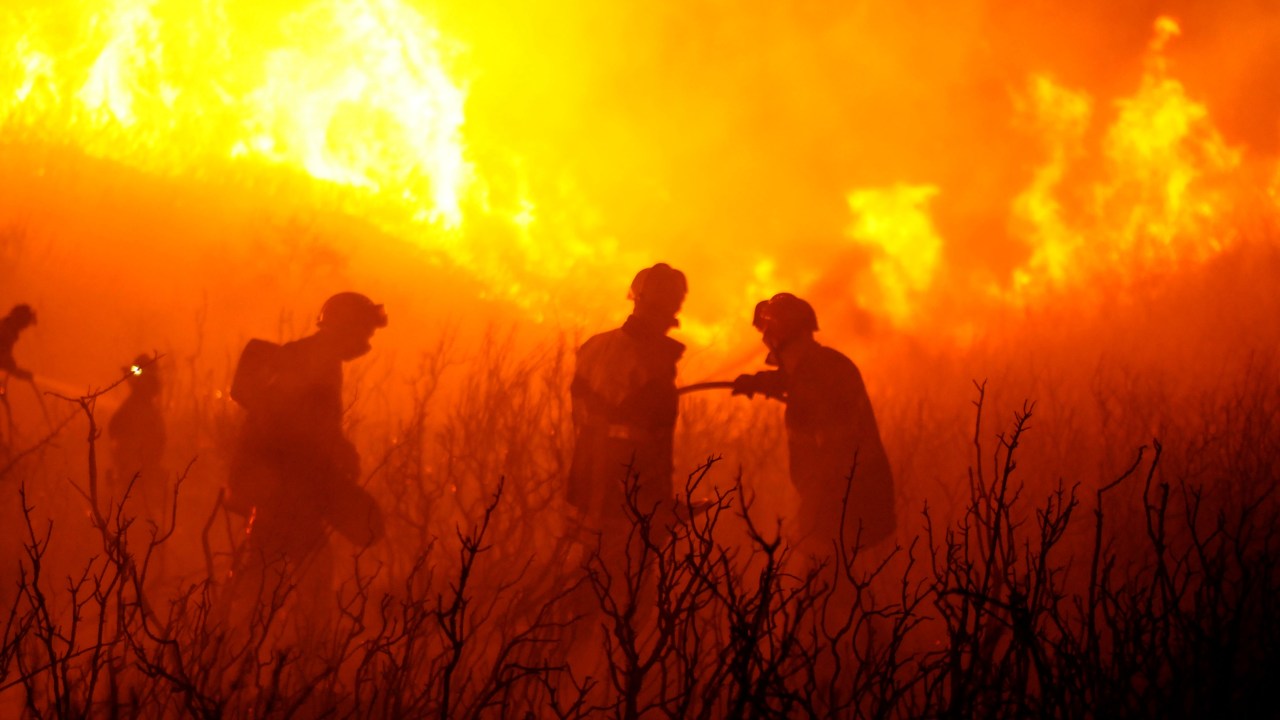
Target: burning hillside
548, 172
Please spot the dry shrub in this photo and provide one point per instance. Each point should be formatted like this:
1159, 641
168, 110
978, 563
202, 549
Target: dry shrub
1066, 571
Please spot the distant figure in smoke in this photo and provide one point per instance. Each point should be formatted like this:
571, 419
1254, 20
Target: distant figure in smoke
19, 318
137, 435
295, 474
831, 428
625, 403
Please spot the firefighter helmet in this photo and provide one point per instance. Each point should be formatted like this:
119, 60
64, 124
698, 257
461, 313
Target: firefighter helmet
785, 315
23, 314
659, 284
351, 310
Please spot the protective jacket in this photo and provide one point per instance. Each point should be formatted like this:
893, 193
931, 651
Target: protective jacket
624, 415
137, 434
832, 432
294, 466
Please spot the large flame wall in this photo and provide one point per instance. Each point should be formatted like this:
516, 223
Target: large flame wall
910, 171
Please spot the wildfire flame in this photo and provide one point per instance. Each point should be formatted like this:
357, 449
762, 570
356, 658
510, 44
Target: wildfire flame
353, 92
895, 224
367, 102
1156, 186
1160, 195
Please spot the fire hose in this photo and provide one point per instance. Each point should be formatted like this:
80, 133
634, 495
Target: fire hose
710, 385
698, 508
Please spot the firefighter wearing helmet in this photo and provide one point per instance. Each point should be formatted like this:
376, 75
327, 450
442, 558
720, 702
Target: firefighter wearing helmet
348, 320
137, 443
832, 436
625, 404
19, 318
295, 474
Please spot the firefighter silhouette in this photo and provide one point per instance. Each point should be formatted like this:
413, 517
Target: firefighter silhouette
625, 404
11, 326
136, 433
294, 474
831, 428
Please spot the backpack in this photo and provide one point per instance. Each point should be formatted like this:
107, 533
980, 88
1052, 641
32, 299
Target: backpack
256, 371
253, 388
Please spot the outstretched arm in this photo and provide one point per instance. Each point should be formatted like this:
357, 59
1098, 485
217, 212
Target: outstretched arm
8, 365
770, 383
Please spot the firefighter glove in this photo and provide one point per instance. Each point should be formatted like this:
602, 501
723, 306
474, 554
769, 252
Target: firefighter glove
770, 384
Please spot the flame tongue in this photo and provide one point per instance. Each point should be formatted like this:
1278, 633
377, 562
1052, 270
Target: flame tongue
1160, 195
360, 96
895, 224
354, 92
1159, 188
